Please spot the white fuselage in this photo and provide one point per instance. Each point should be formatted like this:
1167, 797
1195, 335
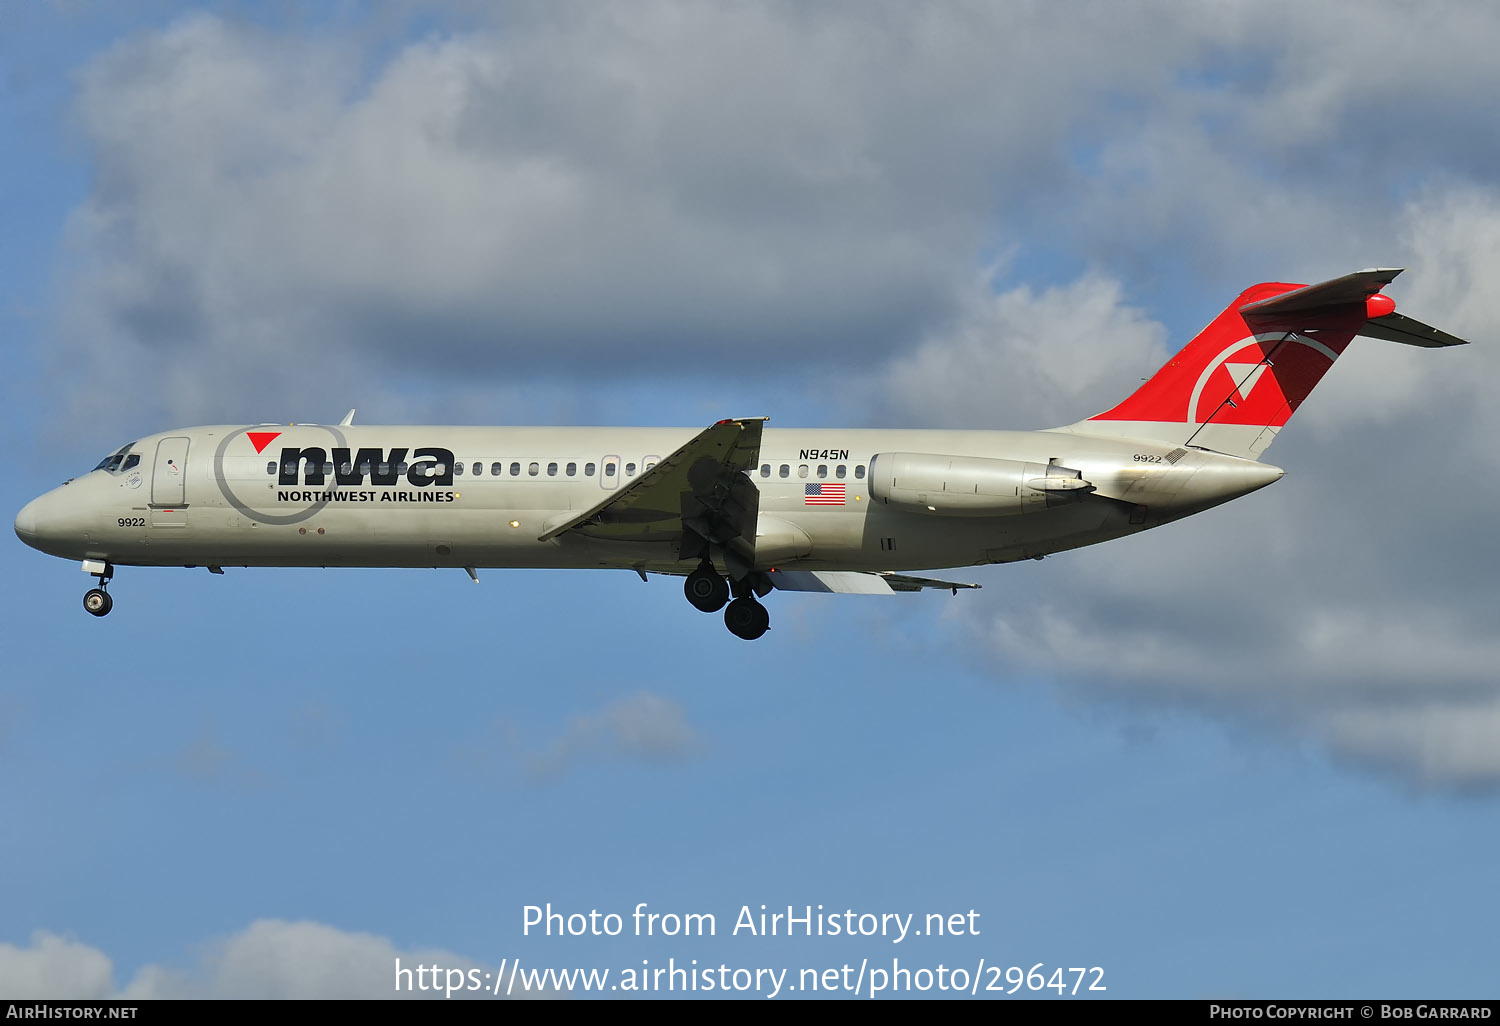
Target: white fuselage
222, 496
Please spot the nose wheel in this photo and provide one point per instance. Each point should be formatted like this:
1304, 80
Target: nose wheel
97, 600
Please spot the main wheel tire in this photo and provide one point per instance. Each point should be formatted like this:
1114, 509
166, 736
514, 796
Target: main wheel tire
747, 618
98, 602
706, 589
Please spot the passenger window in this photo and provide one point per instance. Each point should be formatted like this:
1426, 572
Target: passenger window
478, 469
328, 470
822, 470
402, 467
364, 469
271, 467
802, 470
552, 470
345, 468
765, 470
496, 469
515, 470
859, 472
838, 472
630, 470
458, 470
291, 468
649, 465
572, 470
534, 469
588, 470
609, 470
785, 470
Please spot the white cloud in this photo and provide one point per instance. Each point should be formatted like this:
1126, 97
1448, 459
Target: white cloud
638, 727
1023, 358
268, 959
1438, 744
597, 187
653, 189
52, 966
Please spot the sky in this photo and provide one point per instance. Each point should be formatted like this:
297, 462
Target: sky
1252, 754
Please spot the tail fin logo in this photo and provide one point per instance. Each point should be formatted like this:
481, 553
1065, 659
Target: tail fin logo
1246, 374
1232, 387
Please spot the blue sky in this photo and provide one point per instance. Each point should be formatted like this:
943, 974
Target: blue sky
1250, 754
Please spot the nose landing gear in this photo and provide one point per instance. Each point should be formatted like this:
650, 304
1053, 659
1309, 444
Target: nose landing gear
97, 600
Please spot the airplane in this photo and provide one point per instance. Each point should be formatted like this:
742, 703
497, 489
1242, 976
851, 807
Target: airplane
736, 509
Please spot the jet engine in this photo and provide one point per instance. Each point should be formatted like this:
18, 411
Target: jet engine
971, 486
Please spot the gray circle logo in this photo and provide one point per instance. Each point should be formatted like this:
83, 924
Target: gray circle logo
250, 511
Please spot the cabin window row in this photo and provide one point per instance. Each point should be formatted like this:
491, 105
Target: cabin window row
533, 468
804, 469
497, 469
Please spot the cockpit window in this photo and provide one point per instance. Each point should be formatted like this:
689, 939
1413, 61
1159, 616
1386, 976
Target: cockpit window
111, 463
131, 462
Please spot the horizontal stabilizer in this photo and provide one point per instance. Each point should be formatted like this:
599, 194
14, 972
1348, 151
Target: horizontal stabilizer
1400, 328
853, 582
1288, 310
1303, 308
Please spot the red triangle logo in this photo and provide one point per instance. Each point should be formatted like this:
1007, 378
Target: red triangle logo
261, 439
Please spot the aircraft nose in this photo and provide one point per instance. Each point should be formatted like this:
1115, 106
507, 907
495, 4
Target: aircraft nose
26, 522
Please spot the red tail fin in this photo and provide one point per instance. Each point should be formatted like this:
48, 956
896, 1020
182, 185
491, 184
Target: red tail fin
1232, 388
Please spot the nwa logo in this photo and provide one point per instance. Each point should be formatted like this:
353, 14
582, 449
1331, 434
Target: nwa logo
431, 466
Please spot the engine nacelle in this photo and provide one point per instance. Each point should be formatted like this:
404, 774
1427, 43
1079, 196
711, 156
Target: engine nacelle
971, 486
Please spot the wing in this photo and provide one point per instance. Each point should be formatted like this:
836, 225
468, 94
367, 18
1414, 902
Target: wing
702, 489
857, 582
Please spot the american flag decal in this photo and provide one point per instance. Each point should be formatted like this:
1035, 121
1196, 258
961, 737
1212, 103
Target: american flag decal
824, 494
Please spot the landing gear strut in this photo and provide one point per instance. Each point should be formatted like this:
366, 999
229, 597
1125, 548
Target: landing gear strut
97, 600
706, 589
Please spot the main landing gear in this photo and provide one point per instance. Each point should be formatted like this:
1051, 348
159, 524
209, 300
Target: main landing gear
708, 591
97, 600
747, 618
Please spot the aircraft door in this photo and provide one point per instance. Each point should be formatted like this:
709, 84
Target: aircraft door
169, 473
